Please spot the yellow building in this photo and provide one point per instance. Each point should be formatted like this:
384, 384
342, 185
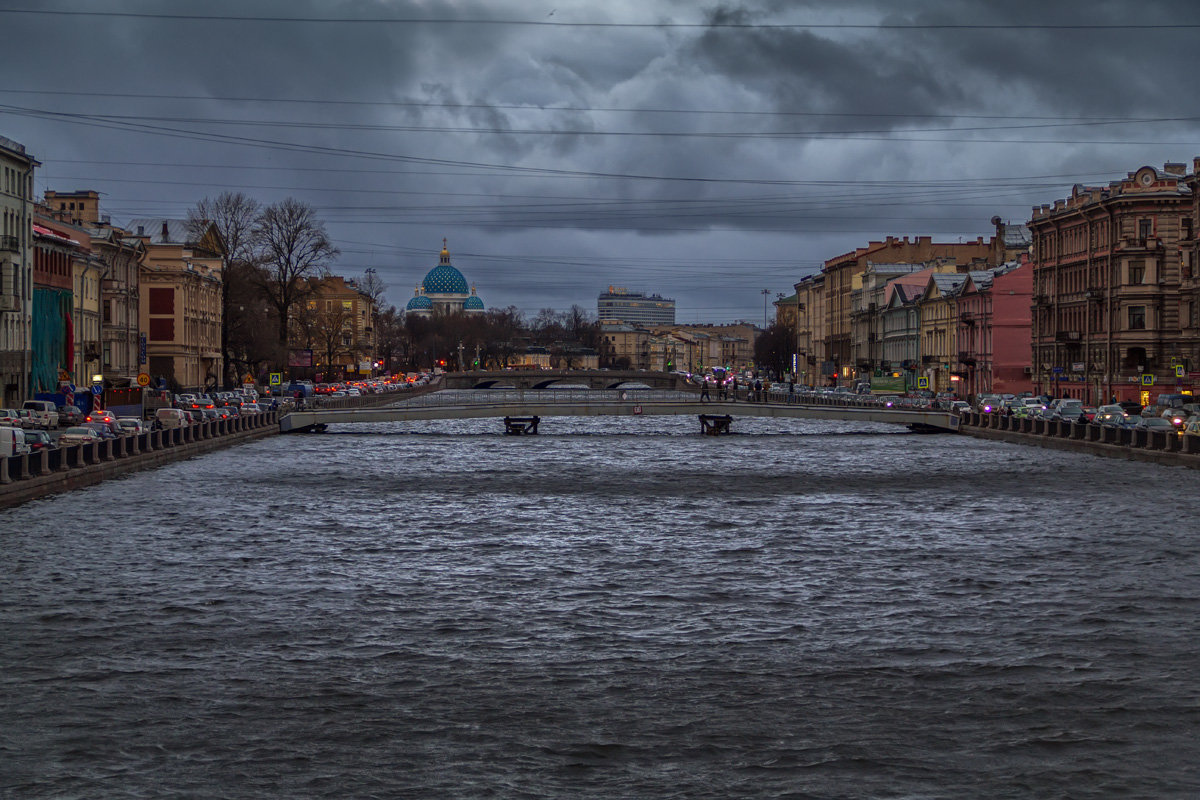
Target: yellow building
336, 323
938, 314
121, 254
810, 331
730, 346
626, 346
180, 312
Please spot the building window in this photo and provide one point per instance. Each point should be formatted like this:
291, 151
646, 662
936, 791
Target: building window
1137, 271
1145, 228
1137, 318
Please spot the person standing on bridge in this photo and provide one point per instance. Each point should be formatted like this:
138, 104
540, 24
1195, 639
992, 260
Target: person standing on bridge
704, 391
758, 390
733, 386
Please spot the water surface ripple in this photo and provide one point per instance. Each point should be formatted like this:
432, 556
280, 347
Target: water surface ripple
611, 609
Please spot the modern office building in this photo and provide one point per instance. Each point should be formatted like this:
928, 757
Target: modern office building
634, 308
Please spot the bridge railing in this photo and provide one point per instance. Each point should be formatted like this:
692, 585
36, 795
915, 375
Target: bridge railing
542, 397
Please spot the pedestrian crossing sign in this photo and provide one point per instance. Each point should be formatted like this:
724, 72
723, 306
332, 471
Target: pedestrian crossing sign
1147, 379
922, 383
276, 379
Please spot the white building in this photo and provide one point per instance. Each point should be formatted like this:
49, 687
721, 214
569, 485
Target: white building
634, 308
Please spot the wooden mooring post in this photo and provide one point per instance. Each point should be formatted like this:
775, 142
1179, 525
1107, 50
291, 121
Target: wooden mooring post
715, 424
519, 426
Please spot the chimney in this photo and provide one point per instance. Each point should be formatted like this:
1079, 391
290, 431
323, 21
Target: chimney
165, 235
141, 230
1175, 168
1196, 165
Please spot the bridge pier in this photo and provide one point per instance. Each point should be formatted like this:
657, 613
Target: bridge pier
715, 424
519, 426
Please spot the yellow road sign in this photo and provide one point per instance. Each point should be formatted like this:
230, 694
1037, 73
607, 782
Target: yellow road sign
143, 379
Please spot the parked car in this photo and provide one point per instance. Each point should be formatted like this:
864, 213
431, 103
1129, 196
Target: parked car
69, 415
131, 425
168, 418
1110, 419
1192, 426
38, 440
26, 419
44, 412
1154, 424
1177, 416
78, 435
101, 429
12, 442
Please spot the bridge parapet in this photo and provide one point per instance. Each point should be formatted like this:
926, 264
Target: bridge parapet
541, 379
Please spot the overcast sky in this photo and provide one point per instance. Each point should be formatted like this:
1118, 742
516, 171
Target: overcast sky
706, 152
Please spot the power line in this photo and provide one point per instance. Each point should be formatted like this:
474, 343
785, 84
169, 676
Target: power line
591, 109
546, 23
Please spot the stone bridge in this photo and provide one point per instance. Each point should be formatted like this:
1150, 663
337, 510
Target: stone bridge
546, 378
476, 404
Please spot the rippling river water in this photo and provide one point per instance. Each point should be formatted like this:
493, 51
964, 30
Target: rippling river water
611, 609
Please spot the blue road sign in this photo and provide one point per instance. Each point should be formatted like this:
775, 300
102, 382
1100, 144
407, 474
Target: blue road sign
97, 389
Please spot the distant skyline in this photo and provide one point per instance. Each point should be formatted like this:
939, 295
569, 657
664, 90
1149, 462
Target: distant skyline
703, 153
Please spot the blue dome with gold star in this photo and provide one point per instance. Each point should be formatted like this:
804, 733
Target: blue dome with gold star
419, 303
444, 278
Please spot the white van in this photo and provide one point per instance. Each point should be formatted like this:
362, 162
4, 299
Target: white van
168, 418
43, 413
12, 442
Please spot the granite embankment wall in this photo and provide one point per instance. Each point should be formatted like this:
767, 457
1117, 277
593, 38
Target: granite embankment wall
1159, 447
60, 469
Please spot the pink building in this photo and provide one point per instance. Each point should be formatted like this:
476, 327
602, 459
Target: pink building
994, 330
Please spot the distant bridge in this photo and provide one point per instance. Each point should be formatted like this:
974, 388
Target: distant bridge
477, 404
546, 378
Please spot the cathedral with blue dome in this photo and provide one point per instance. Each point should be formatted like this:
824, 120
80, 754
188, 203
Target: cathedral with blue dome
444, 291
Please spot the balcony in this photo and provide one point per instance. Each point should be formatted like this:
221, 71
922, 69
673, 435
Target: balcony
966, 359
1068, 336
967, 318
10, 244
1094, 294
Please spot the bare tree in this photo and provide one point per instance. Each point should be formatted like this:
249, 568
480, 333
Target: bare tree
373, 287
294, 248
233, 215
391, 337
330, 326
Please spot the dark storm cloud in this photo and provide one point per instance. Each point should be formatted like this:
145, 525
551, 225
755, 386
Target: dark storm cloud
449, 115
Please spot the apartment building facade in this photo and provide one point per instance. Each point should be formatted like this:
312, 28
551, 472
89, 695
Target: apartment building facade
16, 271
180, 310
1113, 302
